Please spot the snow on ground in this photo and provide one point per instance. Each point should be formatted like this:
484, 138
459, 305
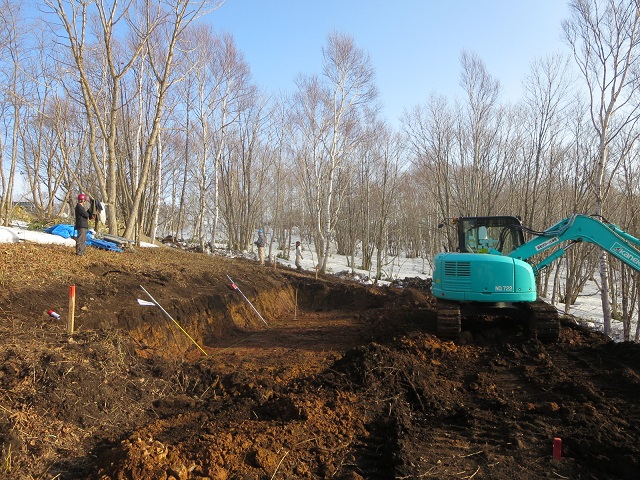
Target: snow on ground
18, 234
15, 235
588, 308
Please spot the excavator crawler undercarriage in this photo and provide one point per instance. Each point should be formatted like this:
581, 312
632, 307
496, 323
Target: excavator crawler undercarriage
540, 319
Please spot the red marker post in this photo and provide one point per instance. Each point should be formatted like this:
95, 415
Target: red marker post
557, 448
72, 308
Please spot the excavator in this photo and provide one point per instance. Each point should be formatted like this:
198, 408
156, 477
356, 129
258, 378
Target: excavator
493, 272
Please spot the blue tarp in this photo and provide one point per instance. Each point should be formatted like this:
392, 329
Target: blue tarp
103, 244
65, 231
69, 231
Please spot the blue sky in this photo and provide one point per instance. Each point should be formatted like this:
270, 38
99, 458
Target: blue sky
414, 45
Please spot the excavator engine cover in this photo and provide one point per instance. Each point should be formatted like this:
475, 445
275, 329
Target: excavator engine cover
482, 277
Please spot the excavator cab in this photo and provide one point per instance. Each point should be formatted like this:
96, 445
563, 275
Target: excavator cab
501, 234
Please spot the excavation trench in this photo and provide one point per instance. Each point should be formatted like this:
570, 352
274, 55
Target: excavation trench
300, 313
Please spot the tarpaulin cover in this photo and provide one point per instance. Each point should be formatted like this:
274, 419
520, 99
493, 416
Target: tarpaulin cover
69, 231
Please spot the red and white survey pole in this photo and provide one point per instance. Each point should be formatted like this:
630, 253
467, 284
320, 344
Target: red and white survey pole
235, 287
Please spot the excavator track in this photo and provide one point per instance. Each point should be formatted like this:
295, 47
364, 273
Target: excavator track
449, 320
541, 318
543, 321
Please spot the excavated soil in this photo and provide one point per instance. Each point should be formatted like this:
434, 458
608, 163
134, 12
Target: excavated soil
328, 378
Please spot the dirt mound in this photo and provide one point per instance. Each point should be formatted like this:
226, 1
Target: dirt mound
346, 380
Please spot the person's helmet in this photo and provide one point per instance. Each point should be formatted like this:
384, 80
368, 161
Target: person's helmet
259, 230
82, 197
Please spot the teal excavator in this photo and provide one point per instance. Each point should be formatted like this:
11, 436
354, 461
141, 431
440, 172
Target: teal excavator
493, 273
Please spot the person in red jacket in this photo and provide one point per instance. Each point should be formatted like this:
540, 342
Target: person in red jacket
82, 224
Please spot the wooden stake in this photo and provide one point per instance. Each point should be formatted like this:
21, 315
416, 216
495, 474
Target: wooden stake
72, 309
295, 306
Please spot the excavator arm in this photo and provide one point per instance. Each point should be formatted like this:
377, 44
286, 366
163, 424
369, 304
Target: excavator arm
581, 228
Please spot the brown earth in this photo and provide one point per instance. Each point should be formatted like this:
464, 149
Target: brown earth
344, 382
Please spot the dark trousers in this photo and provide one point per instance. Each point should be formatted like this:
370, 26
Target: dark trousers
81, 241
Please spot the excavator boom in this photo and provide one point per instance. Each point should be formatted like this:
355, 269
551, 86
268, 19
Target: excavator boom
582, 228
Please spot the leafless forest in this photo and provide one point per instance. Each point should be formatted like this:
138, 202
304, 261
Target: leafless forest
143, 105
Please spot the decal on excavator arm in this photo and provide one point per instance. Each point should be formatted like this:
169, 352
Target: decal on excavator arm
548, 243
625, 253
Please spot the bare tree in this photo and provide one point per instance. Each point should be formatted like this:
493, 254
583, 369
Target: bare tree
222, 82
389, 164
546, 90
624, 206
13, 101
155, 32
430, 132
329, 114
309, 128
478, 129
604, 36
284, 181
244, 173
77, 20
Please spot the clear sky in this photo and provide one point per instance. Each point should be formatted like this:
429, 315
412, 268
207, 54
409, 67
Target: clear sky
414, 45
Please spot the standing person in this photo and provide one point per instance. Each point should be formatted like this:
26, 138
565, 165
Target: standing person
260, 243
298, 256
82, 224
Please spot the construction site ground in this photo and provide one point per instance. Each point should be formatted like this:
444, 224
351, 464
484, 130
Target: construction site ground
326, 378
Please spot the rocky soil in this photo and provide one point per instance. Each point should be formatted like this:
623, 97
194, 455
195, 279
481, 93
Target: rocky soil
340, 380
